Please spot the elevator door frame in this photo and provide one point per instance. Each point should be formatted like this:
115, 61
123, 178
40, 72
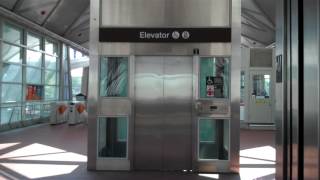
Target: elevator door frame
165, 163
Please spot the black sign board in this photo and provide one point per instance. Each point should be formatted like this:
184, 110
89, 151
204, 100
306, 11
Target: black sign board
180, 35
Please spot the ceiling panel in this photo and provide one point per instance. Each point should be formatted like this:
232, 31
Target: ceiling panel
66, 15
36, 10
269, 7
9, 4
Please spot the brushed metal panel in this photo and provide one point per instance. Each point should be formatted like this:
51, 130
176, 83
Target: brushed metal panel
177, 116
235, 82
93, 84
163, 13
280, 98
114, 107
166, 49
148, 113
311, 89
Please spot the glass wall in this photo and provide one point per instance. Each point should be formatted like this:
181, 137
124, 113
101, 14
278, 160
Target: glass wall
29, 75
113, 134
114, 76
213, 139
76, 76
214, 77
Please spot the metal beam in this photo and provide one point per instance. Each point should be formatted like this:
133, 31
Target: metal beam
44, 23
35, 27
253, 39
17, 5
247, 14
69, 28
264, 13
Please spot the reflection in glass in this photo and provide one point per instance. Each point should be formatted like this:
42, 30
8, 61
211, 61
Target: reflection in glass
10, 114
32, 111
33, 41
11, 73
217, 69
113, 137
11, 53
213, 139
50, 77
114, 77
50, 47
34, 58
50, 93
261, 85
11, 93
12, 34
33, 75
50, 62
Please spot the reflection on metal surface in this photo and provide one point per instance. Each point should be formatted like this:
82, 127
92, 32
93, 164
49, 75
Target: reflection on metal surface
163, 92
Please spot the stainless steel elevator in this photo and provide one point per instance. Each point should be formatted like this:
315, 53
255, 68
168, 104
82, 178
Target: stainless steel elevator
160, 95
163, 113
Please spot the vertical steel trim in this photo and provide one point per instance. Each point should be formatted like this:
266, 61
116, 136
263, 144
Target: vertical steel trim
235, 90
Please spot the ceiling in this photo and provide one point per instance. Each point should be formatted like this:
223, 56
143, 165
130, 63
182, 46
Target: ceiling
71, 20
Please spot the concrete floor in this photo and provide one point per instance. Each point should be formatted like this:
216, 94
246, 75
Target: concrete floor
59, 152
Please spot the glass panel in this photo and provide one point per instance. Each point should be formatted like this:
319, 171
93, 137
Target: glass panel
50, 47
11, 73
45, 110
114, 77
11, 53
76, 77
11, 93
34, 92
50, 77
50, 93
12, 34
213, 139
34, 58
66, 93
10, 114
214, 77
261, 86
113, 137
66, 79
50, 62
33, 41
32, 111
33, 75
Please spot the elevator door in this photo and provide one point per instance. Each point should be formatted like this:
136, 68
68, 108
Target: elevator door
163, 106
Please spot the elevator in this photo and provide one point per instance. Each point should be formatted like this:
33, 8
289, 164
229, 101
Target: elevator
163, 112
165, 89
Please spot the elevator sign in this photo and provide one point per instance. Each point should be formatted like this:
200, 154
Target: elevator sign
183, 35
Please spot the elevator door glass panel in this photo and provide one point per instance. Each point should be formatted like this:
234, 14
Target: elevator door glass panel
214, 77
114, 76
213, 139
112, 137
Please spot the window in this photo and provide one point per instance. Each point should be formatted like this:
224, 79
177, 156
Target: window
11, 73
261, 86
33, 75
11, 93
51, 48
114, 76
11, 53
51, 62
33, 42
12, 34
76, 77
213, 139
34, 58
51, 93
32, 111
10, 115
50, 77
113, 137
214, 77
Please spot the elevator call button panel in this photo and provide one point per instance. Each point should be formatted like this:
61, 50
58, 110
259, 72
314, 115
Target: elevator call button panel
213, 108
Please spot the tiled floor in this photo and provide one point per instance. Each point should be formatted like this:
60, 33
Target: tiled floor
59, 152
